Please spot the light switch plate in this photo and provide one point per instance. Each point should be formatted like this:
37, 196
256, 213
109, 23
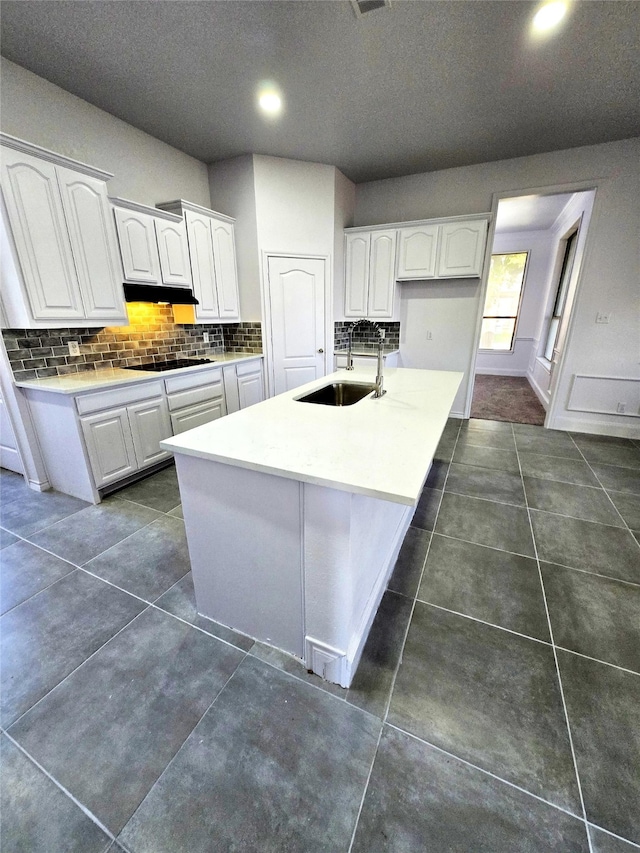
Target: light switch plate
602, 318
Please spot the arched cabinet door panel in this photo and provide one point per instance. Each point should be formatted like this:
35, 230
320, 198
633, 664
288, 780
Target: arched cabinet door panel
462, 249
94, 245
39, 230
138, 247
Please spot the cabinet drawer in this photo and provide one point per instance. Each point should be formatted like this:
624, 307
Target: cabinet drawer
245, 368
194, 396
193, 380
115, 397
196, 416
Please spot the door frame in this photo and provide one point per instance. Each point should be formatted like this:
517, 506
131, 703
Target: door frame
267, 331
553, 189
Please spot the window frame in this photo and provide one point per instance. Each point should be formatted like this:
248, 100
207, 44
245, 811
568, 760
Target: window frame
516, 316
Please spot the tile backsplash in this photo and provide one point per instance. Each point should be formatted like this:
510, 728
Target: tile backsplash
366, 334
151, 336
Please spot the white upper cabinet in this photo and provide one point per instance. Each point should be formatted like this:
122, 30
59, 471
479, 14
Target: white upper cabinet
153, 245
212, 254
62, 266
382, 265
462, 249
417, 252
138, 246
202, 266
224, 256
174, 252
370, 259
94, 245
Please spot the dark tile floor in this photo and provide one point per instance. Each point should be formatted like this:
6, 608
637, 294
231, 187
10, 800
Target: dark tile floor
496, 708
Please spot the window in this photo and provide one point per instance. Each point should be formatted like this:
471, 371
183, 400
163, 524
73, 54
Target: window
561, 295
501, 307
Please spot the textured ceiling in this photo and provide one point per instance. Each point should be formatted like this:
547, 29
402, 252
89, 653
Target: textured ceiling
416, 87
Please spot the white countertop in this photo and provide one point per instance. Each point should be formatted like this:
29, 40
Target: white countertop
91, 380
377, 447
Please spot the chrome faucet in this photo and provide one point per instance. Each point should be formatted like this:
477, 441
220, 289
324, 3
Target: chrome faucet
381, 333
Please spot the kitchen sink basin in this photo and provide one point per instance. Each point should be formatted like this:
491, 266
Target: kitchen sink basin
338, 394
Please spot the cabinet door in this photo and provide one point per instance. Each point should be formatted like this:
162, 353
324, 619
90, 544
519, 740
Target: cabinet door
202, 266
250, 388
36, 216
195, 416
173, 252
224, 256
138, 247
94, 245
150, 424
109, 445
382, 268
462, 249
356, 274
417, 252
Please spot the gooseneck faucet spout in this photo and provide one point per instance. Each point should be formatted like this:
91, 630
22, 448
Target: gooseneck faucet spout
381, 333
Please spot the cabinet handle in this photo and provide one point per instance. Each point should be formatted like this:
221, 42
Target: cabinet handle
320, 350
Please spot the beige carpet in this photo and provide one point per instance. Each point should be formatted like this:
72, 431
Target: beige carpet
506, 398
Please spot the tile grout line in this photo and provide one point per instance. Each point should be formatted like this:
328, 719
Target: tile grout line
404, 640
61, 788
557, 665
177, 752
484, 771
613, 835
365, 789
75, 669
625, 525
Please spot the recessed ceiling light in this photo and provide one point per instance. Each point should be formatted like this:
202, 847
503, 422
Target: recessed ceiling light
549, 16
269, 100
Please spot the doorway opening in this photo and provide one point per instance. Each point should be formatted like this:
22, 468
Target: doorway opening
537, 249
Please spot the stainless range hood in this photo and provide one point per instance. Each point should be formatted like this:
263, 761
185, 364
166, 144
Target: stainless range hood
159, 293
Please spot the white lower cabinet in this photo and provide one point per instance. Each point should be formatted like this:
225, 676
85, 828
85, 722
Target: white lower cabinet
243, 385
109, 445
122, 439
110, 434
195, 399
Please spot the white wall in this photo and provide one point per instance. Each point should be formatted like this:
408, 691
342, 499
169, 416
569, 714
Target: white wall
145, 169
232, 189
345, 203
294, 206
541, 247
610, 273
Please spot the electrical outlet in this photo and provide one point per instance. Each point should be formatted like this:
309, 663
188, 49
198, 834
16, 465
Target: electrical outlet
74, 348
622, 408
602, 318
383, 334
205, 337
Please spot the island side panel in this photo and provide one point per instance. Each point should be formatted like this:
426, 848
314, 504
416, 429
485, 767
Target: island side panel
351, 543
244, 536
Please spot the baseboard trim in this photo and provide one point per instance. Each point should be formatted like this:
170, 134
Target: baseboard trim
537, 390
568, 423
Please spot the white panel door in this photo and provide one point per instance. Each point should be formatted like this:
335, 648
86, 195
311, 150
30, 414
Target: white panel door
138, 246
150, 424
356, 274
382, 269
94, 244
202, 266
35, 212
417, 252
109, 445
461, 249
296, 301
174, 253
224, 256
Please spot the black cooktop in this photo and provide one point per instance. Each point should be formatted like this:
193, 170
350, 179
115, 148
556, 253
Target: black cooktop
171, 365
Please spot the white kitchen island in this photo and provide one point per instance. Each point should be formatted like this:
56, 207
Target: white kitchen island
295, 512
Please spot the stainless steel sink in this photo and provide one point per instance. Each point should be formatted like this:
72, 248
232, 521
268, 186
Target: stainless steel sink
338, 394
